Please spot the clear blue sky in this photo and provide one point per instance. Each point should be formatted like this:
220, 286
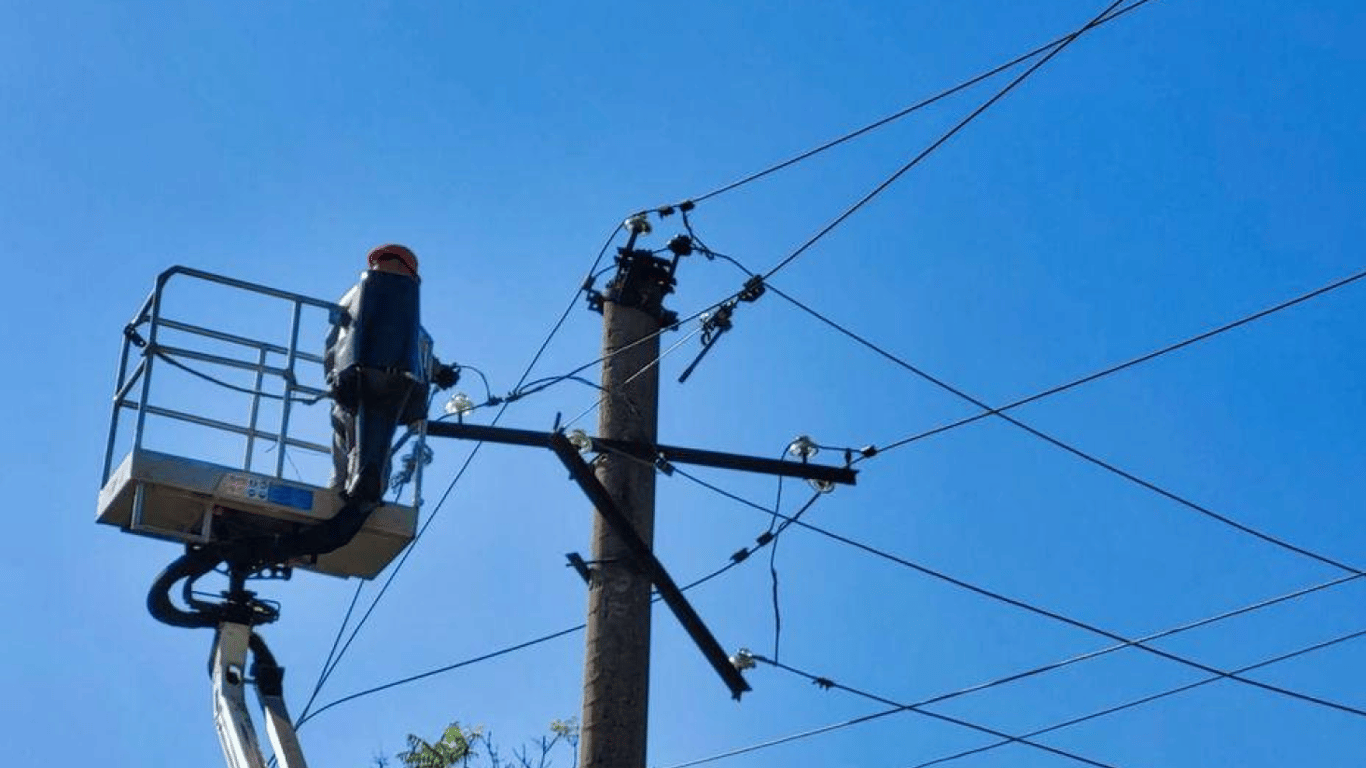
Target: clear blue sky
1189, 164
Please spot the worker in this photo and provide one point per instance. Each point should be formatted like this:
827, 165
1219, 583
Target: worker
379, 368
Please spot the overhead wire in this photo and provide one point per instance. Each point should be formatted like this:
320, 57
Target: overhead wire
755, 176
439, 670
1092, 377
731, 563
1047, 613
1153, 487
826, 683
1154, 697
1048, 52
960, 125
838, 726
1122, 642
1073, 622
1000, 411
1087, 456
1113, 369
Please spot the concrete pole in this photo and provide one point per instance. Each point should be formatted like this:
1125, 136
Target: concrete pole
617, 664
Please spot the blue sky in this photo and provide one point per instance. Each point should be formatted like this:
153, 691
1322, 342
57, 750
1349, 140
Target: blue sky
1184, 166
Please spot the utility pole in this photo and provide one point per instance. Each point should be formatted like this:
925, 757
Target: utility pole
617, 664
620, 483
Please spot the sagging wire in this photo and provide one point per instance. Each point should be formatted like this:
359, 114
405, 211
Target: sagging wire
832, 727
460, 405
169, 360
943, 139
1140, 644
730, 564
1000, 412
802, 448
825, 683
903, 112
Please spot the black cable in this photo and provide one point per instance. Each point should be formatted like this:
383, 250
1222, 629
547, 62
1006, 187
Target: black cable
1058, 617
1000, 411
1114, 368
1153, 697
904, 112
501, 652
532, 387
1341, 580
1094, 715
1047, 57
235, 388
1097, 461
772, 563
449, 667
773, 589
488, 392
336, 640
1017, 603
826, 684
545, 343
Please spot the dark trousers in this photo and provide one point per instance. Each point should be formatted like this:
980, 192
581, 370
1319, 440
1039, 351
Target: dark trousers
363, 425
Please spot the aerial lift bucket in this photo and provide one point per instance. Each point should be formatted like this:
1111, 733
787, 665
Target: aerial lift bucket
238, 399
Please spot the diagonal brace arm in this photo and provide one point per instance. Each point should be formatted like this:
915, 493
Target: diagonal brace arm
645, 559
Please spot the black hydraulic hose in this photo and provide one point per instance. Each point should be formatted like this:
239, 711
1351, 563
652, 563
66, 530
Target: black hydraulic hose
317, 540
189, 566
329, 535
267, 673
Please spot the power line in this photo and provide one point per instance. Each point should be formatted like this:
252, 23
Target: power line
826, 684
1094, 715
1153, 697
906, 111
1079, 624
1054, 615
732, 563
1104, 372
327, 660
439, 670
1088, 457
1052, 49
1122, 642
1066, 41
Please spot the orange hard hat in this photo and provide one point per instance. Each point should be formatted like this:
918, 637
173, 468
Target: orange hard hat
394, 251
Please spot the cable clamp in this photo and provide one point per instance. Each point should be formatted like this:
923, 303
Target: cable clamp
754, 288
